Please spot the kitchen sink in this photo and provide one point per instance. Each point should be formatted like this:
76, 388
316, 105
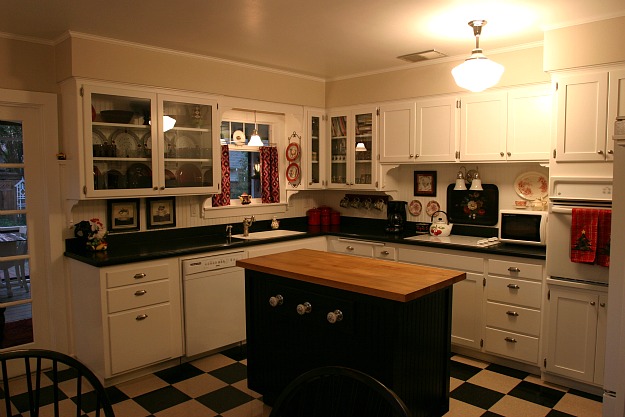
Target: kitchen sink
269, 234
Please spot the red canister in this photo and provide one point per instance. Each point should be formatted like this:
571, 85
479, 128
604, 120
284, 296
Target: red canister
325, 215
314, 216
335, 218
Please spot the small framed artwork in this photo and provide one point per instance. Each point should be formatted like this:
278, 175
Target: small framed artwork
425, 183
161, 212
123, 215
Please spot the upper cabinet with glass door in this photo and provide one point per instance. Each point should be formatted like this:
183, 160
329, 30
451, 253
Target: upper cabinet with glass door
316, 163
139, 142
353, 149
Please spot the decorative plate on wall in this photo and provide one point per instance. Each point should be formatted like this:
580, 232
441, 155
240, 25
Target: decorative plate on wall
292, 173
292, 151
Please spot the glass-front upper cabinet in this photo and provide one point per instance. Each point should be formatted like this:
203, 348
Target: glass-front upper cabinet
141, 143
316, 163
353, 143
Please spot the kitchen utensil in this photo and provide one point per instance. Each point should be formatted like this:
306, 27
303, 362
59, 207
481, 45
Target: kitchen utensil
440, 227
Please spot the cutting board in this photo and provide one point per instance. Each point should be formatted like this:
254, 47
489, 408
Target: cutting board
473, 207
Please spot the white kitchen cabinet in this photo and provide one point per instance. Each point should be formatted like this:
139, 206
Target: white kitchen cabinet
466, 321
351, 167
529, 124
587, 106
137, 157
483, 124
576, 333
513, 308
316, 149
126, 317
424, 130
314, 243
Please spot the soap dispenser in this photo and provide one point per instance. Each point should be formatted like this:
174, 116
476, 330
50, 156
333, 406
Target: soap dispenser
274, 223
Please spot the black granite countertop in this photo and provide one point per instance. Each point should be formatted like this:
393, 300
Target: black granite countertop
143, 246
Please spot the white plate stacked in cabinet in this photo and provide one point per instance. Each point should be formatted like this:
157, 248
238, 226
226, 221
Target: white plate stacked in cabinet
513, 309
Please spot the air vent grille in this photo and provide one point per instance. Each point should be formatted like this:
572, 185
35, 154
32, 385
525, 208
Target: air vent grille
422, 56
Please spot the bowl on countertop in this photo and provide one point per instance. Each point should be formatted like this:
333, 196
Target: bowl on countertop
116, 116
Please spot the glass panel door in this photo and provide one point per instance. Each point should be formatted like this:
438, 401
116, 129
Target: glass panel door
338, 150
363, 162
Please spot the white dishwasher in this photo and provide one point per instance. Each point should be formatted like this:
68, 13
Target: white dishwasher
214, 302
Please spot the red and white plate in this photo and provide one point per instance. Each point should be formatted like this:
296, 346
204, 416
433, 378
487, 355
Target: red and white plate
432, 207
292, 151
293, 172
531, 186
415, 207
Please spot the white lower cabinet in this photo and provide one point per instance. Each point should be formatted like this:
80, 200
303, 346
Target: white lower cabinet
315, 243
577, 330
126, 317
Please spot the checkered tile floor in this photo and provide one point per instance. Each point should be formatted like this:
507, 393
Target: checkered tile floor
216, 386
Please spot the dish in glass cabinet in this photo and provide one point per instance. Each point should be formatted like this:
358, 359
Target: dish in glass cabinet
292, 151
127, 143
531, 186
432, 207
292, 173
170, 179
415, 207
238, 137
208, 178
115, 179
147, 140
183, 141
139, 176
98, 137
189, 176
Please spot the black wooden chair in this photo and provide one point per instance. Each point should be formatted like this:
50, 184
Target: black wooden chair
335, 391
90, 396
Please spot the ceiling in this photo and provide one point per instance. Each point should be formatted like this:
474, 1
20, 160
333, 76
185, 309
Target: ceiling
325, 39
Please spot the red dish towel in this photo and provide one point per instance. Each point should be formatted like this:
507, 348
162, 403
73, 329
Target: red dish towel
604, 230
584, 225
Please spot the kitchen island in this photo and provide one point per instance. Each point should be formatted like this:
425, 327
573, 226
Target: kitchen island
306, 309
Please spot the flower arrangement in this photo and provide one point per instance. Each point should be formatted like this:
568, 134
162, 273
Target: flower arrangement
93, 233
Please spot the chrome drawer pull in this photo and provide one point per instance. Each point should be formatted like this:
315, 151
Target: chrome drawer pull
385, 252
513, 286
514, 269
350, 248
139, 276
141, 317
512, 313
140, 292
510, 339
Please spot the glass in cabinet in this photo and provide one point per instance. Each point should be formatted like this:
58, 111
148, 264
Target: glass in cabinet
135, 152
316, 147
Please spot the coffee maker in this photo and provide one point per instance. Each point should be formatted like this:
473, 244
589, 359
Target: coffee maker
396, 216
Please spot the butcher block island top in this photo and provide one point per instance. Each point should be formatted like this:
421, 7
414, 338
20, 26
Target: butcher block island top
379, 278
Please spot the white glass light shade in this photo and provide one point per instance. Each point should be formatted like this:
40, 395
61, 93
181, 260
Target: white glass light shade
255, 139
477, 73
476, 185
168, 123
460, 185
360, 147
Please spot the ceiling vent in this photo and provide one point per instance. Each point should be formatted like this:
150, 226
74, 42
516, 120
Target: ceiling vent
422, 56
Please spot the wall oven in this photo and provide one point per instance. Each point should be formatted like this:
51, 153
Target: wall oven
568, 193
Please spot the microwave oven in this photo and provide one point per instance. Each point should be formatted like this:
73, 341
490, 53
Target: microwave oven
523, 227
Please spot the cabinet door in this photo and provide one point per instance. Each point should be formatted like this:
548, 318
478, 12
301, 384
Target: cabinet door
118, 153
315, 151
572, 333
364, 150
397, 132
581, 120
616, 107
483, 119
529, 124
339, 143
602, 328
466, 313
191, 150
436, 130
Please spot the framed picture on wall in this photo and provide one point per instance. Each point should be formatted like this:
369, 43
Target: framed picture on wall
123, 215
161, 212
425, 183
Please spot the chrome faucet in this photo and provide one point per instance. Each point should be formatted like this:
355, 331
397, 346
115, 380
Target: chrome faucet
247, 222
229, 231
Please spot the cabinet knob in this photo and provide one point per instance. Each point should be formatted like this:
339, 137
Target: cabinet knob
513, 286
512, 313
304, 308
141, 317
510, 339
155, 188
600, 152
140, 293
501, 153
334, 316
139, 276
350, 248
385, 252
509, 153
514, 269
592, 303
310, 183
276, 300
162, 187
412, 155
416, 155
602, 304
610, 152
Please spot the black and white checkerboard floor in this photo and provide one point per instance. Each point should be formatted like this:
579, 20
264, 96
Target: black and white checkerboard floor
216, 386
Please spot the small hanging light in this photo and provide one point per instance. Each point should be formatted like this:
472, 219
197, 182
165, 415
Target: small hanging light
461, 180
255, 139
477, 73
476, 181
360, 147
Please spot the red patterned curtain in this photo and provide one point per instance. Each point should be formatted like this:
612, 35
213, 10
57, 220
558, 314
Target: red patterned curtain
223, 199
269, 174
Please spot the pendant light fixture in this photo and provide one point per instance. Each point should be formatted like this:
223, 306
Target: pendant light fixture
477, 73
360, 147
255, 138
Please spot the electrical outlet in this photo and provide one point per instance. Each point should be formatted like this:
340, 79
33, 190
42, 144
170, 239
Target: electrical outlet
194, 210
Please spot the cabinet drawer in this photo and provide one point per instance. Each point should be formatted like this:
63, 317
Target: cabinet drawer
351, 247
140, 337
138, 295
385, 252
513, 345
136, 274
513, 318
442, 260
514, 291
514, 269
